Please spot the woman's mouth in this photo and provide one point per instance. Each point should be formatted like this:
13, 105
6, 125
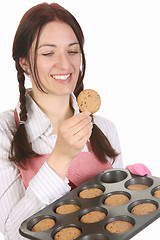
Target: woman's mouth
65, 78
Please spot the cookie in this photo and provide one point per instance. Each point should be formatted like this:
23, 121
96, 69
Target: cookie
90, 193
43, 225
116, 200
137, 187
67, 208
157, 193
67, 233
119, 226
144, 209
92, 217
89, 100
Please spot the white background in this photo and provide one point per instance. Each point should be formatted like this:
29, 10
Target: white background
122, 46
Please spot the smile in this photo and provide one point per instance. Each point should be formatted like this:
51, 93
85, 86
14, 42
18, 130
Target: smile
61, 77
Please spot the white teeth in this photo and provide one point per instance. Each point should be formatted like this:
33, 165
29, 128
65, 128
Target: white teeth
61, 77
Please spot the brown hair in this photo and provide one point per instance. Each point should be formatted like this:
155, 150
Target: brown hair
27, 31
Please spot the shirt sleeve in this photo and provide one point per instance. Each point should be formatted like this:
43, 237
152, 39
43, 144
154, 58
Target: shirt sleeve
53, 186
17, 203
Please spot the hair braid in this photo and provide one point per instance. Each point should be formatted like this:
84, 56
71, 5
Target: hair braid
101, 145
20, 147
22, 90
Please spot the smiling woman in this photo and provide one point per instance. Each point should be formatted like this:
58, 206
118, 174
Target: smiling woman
46, 143
59, 29
58, 60
122, 50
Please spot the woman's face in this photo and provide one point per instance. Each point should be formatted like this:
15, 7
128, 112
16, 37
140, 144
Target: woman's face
58, 59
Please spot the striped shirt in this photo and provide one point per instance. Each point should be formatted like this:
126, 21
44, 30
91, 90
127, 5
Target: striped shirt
18, 203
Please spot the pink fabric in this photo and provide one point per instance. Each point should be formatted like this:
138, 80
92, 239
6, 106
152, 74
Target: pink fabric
32, 166
138, 169
82, 168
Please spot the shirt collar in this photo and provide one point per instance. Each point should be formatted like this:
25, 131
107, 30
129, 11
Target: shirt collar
37, 122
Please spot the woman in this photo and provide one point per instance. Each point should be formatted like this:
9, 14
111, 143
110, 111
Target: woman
47, 146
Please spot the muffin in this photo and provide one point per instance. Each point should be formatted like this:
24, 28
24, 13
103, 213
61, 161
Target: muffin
92, 217
43, 225
137, 187
90, 193
116, 200
144, 209
68, 233
157, 193
67, 208
119, 226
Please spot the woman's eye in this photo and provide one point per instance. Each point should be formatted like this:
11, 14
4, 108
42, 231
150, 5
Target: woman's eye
73, 52
48, 54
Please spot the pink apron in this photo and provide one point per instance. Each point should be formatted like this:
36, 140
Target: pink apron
82, 168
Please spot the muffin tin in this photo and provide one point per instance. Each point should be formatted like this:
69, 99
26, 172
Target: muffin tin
113, 181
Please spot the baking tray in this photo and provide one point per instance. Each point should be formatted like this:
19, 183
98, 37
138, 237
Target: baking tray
110, 182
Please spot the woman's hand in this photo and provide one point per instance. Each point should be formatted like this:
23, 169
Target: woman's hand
72, 136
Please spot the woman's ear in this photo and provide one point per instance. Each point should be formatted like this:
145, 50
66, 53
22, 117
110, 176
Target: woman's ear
24, 65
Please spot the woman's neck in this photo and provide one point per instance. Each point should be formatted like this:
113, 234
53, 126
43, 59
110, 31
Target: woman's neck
56, 108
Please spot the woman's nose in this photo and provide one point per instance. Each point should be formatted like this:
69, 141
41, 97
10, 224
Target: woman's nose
63, 61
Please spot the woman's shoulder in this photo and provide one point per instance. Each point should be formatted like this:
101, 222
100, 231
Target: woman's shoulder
7, 121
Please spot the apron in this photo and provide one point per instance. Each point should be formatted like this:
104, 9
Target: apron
83, 167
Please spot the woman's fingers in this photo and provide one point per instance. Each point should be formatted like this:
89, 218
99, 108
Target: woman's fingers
76, 119
77, 124
73, 134
82, 139
83, 133
82, 125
